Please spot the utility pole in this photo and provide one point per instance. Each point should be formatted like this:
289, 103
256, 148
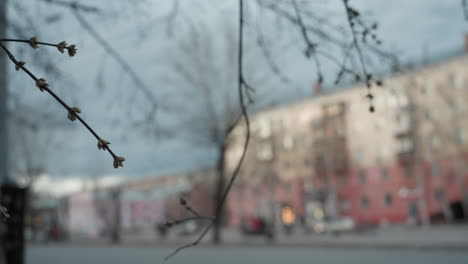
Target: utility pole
116, 194
3, 99
3, 120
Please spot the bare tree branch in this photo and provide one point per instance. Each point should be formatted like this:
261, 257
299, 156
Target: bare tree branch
74, 5
465, 8
73, 112
311, 47
116, 55
171, 17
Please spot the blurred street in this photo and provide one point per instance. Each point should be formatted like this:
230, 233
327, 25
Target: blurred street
227, 255
442, 237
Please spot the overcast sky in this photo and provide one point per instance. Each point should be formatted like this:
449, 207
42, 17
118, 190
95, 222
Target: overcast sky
103, 90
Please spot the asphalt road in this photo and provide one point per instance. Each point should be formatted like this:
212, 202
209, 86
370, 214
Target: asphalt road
67, 254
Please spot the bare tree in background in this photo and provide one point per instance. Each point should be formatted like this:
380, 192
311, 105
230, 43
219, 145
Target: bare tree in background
32, 142
210, 106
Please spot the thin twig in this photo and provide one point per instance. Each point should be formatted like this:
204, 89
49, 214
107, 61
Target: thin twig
74, 5
171, 18
269, 59
70, 110
120, 60
38, 43
354, 36
311, 47
465, 9
351, 16
196, 242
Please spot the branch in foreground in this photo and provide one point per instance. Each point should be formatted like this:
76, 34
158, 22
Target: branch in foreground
311, 49
360, 31
62, 46
41, 83
353, 18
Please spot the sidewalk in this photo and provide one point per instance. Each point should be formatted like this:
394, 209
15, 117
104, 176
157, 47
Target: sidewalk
443, 237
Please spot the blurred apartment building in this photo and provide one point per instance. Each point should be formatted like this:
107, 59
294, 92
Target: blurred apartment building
325, 157
328, 157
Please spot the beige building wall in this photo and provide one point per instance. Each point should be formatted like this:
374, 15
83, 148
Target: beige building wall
428, 104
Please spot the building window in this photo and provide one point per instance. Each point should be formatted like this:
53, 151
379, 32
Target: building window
359, 154
332, 110
345, 205
339, 130
284, 124
388, 200
344, 179
384, 174
264, 129
318, 134
439, 195
309, 186
459, 105
413, 210
461, 136
287, 164
404, 145
435, 142
402, 99
265, 152
256, 191
305, 140
364, 202
288, 142
403, 122
426, 87
307, 163
428, 115
435, 169
362, 176
407, 171
464, 167
451, 175
456, 80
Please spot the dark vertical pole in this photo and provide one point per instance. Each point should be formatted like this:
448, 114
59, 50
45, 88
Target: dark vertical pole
116, 195
220, 188
3, 100
3, 121
12, 229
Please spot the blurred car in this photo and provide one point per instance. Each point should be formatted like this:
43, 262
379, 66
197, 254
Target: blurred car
257, 226
334, 226
189, 228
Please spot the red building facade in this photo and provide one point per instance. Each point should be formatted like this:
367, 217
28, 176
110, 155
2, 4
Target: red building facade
405, 163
